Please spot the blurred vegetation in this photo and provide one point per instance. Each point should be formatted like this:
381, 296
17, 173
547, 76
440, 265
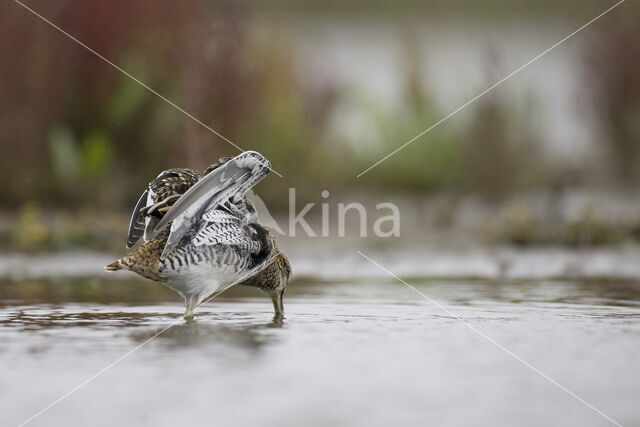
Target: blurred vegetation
519, 226
482, 8
613, 68
35, 229
92, 135
78, 136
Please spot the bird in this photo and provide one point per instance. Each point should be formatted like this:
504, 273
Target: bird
202, 236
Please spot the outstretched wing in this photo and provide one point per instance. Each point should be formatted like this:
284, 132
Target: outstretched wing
238, 248
137, 223
223, 228
225, 249
156, 200
229, 182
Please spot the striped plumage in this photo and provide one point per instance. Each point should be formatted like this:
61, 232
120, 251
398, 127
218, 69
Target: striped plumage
157, 199
214, 240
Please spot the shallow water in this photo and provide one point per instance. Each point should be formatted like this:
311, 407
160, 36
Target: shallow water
362, 353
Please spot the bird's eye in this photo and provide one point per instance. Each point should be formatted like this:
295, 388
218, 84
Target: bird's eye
287, 269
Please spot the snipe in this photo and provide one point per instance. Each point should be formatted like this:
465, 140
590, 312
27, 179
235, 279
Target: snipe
202, 235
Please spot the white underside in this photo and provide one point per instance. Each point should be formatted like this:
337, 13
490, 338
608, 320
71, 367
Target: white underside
199, 282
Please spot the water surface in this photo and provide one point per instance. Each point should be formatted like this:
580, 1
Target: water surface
361, 353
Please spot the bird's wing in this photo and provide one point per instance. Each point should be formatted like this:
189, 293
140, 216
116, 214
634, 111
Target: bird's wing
246, 254
226, 229
228, 182
227, 248
156, 200
137, 223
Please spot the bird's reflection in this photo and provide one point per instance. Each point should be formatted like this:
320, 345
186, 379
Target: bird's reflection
199, 333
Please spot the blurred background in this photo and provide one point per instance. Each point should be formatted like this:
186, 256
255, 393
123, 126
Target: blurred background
520, 214
324, 90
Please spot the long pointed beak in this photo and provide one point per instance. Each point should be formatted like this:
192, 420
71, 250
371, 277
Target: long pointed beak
114, 266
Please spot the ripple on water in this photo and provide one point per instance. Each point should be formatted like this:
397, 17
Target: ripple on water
348, 354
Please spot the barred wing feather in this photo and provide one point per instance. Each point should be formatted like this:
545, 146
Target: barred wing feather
159, 195
229, 182
226, 229
137, 223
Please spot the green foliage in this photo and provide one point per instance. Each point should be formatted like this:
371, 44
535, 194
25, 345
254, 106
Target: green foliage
63, 152
75, 165
520, 228
127, 100
432, 162
96, 154
29, 234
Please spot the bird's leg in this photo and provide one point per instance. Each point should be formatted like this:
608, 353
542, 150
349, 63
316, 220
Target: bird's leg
191, 307
278, 306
